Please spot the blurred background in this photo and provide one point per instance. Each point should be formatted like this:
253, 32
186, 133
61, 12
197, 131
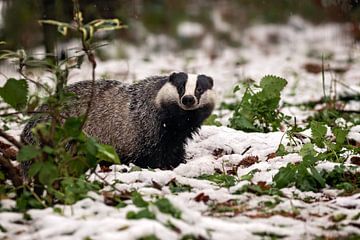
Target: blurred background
186, 21
233, 41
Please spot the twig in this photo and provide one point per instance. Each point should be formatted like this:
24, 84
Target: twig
90, 55
106, 182
10, 139
16, 113
36, 196
11, 172
323, 77
39, 85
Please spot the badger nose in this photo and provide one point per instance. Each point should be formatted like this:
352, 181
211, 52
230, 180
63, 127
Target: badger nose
188, 100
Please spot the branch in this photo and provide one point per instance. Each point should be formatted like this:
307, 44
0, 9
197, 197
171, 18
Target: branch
16, 113
11, 172
91, 59
11, 139
37, 84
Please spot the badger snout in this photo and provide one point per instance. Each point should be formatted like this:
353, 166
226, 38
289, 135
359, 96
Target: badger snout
188, 100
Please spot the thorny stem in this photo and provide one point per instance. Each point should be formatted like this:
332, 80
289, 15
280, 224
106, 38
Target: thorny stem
91, 57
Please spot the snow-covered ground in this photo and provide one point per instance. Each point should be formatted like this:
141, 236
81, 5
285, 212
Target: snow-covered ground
282, 50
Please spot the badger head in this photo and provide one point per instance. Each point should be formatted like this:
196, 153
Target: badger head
188, 91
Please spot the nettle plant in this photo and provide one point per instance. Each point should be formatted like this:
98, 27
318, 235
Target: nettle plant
56, 165
258, 109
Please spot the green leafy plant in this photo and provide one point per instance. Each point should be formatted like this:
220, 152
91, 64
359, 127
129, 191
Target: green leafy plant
165, 206
258, 109
222, 180
303, 175
55, 166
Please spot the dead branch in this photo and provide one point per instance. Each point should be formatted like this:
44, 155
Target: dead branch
11, 172
11, 139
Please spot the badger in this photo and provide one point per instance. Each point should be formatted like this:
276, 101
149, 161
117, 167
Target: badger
149, 122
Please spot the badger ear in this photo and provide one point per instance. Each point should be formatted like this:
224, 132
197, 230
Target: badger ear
172, 77
211, 81
177, 76
206, 80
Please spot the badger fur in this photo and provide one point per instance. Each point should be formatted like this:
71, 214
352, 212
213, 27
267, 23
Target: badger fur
149, 122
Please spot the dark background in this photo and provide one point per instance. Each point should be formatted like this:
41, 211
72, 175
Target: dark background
20, 28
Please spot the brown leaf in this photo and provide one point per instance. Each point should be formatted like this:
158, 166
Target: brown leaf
248, 161
201, 197
218, 152
313, 68
109, 198
104, 168
271, 156
156, 185
355, 160
263, 185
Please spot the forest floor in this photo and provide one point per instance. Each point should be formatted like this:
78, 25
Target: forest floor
224, 189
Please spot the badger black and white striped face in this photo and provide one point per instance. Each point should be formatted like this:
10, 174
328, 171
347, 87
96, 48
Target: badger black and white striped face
189, 91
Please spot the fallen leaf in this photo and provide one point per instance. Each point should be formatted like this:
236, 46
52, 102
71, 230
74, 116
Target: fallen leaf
201, 197
248, 161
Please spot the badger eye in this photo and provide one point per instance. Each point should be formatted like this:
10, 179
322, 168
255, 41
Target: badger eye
199, 90
181, 89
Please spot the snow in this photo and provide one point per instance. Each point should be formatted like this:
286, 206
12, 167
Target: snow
298, 215
190, 29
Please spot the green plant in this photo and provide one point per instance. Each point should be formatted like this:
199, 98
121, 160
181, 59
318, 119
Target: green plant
222, 180
258, 109
57, 164
165, 206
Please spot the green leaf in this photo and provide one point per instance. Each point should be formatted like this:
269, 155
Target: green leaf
307, 150
317, 176
222, 180
318, 132
340, 135
281, 151
48, 173
62, 27
15, 93
285, 176
273, 84
176, 187
165, 206
87, 32
106, 24
138, 200
339, 217
249, 176
240, 122
72, 126
35, 168
107, 153
28, 152
144, 213
258, 110
212, 120
236, 88
91, 146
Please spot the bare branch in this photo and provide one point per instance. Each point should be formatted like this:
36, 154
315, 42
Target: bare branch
11, 172
10, 139
16, 113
